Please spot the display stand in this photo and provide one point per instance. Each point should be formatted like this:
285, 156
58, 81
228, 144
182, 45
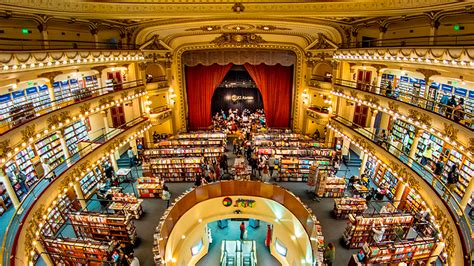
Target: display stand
150, 187
67, 251
359, 229
128, 204
345, 206
173, 169
329, 186
242, 170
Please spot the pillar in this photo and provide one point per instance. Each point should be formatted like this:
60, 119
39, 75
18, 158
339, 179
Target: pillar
399, 193
51, 95
63, 145
42, 252
434, 256
467, 195
8, 186
80, 195
414, 146
434, 25
44, 33
95, 34
372, 120
106, 121
133, 145
382, 30
113, 161
354, 34
365, 157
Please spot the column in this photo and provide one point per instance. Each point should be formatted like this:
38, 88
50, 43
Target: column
365, 157
106, 121
133, 145
467, 195
95, 34
11, 191
382, 30
80, 195
372, 120
414, 146
399, 193
434, 25
44, 33
42, 252
354, 34
63, 145
114, 161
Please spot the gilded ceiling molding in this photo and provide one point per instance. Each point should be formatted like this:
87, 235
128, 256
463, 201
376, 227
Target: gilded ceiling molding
393, 106
450, 131
238, 39
177, 58
270, 28
28, 133
470, 147
5, 147
205, 28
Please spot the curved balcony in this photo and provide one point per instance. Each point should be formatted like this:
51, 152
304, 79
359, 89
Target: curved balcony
24, 44
430, 182
214, 191
51, 182
11, 121
435, 108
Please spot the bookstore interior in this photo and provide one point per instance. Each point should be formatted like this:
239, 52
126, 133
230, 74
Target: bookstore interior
257, 133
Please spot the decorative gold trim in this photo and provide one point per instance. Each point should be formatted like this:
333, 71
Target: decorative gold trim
450, 131
393, 106
238, 39
28, 132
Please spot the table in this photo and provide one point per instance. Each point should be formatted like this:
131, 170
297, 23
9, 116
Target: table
123, 173
361, 189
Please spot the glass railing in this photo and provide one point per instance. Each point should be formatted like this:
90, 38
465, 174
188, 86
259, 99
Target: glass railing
439, 40
30, 112
439, 186
17, 44
15, 224
460, 117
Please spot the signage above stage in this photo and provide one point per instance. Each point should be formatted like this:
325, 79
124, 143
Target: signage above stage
243, 203
236, 98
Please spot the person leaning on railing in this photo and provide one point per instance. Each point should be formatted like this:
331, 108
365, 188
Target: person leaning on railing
458, 113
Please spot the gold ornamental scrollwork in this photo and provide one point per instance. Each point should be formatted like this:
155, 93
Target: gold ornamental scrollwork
124, 94
238, 39
5, 147
393, 106
413, 182
413, 114
54, 120
28, 132
371, 99
450, 131
354, 93
63, 116
364, 144
470, 148
85, 107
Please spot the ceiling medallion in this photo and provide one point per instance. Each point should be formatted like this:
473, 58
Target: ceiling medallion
238, 39
238, 7
238, 27
270, 28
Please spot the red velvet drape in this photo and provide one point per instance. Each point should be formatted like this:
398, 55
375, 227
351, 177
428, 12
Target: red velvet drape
201, 84
275, 83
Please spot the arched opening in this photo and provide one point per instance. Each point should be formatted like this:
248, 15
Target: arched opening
154, 72
323, 72
237, 91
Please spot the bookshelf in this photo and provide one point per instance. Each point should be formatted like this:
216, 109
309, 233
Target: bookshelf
69, 251
202, 135
5, 106
386, 78
150, 187
359, 228
74, 134
329, 186
348, 205
404, 133
104, 227
5, 201
177, 143
173, 169
50, 149
44, 100
411, 201
57, 217
210, 152
419, 250
295, 169
25, 161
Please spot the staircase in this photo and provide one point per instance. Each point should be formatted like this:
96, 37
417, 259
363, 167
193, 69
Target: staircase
352, 160
230, 260
123, 161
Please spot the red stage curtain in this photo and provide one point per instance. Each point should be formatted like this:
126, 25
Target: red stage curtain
201, 83
275, 83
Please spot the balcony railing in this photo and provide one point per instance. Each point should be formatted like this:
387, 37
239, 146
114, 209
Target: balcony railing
439, 186
439, 40
30, 112
15, 224
16, 44
429, 105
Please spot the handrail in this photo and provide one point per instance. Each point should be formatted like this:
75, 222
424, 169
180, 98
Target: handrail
426, 174
41, 185
25, 44
65, 102
427, 40
431, 106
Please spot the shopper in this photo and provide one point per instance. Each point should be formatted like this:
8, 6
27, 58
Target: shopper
242, 230
380, 193
131, 157
329, 254
336, 165
443, 103
268, 239
452, 180
223, 163
450, 106
133, 260
197, 181
265, 174
166, 195
427, 155
48, 175
388, 90
271, 165
20, 177
378, 232
261, 165
458, 113
438, 170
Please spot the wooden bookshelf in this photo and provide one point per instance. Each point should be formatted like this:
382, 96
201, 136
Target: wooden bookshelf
127, 204
68, 251
150, 187
348, 205
330, 186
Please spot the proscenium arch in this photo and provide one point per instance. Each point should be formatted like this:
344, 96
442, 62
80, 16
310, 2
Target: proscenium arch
285, 225
296, 119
